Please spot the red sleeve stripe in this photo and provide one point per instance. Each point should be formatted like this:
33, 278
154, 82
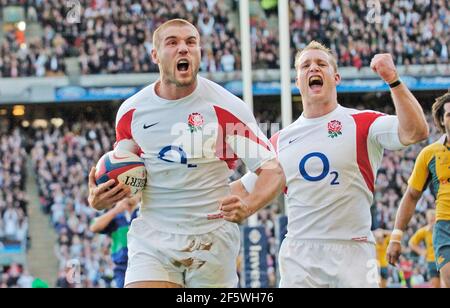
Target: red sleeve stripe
123, 129
274, 141
231, 125
363, 123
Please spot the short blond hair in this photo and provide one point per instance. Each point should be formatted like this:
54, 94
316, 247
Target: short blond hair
173, 22
314, 45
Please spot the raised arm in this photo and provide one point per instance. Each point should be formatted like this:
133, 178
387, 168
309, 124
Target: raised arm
413, 127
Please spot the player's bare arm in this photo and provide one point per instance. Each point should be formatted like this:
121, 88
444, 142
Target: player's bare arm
405, 212
271, 181
106, 195
102, 222
413, 127
238, 189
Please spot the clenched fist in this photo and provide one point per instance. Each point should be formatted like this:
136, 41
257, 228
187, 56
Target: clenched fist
107, 194
234, 209
393, 253
384, 66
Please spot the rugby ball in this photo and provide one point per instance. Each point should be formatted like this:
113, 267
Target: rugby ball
122, 167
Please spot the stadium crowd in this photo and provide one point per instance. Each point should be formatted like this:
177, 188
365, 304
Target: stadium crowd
414, 32
116, 36
13, 203
62, 157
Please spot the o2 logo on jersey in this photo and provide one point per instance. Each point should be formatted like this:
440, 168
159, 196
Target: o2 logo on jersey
325, 171
174, 154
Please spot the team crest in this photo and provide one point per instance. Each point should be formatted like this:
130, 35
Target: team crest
195, 122
334, 129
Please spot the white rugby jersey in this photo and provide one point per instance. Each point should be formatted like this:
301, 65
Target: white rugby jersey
330, 165
190, 147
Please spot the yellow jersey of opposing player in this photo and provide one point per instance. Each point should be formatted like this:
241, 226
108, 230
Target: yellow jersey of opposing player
382, 246
433, 167
424, 234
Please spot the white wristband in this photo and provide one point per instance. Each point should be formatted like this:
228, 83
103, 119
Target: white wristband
397, 232
249, 181
395, 241
396, 236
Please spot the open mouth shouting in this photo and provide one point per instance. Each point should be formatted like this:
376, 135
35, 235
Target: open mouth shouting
183, 65
315, 83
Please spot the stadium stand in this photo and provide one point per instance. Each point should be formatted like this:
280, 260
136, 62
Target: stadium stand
13, 209
116, 37
414, 32
62, 157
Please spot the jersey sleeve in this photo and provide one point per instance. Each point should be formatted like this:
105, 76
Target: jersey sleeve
420, 174
384, 131
240, 136
124, 134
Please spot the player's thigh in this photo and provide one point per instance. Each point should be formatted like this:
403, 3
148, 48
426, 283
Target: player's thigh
435, 282
216, 267
441, 243
148, 262
153, 285
433, 271
359, 268
302, 265
445, 275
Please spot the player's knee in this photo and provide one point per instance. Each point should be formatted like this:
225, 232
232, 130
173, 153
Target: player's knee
445, 275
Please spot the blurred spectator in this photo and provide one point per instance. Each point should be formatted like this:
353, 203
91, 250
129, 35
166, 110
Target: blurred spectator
11, 276
26, 280
407, 268
417, 278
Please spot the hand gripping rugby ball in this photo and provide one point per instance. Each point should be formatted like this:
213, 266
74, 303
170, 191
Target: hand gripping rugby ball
124, 167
